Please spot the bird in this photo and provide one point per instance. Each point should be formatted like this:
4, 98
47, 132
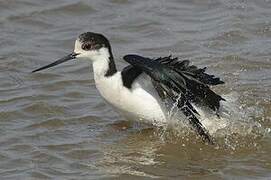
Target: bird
147, 88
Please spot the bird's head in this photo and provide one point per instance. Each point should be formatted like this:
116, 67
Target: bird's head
88, 46
91, 46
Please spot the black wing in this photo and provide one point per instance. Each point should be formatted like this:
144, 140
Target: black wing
197, 82
129, 74
175, 77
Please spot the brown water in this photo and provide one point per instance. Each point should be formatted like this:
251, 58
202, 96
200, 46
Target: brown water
54, 125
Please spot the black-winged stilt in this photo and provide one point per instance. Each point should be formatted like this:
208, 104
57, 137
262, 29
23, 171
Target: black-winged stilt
140, 90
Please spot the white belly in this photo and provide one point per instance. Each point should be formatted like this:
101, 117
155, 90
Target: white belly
141, 102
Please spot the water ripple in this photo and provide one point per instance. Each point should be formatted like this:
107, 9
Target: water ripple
54, 125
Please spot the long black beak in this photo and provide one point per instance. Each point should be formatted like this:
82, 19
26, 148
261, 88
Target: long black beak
62, 60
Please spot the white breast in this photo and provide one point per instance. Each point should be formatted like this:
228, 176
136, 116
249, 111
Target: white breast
141, 102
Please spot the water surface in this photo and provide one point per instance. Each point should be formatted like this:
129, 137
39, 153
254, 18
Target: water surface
54, 125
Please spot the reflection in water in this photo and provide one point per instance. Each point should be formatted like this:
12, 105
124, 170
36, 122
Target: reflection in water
152, 152
129, 154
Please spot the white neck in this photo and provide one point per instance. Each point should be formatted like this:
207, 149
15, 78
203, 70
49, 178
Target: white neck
101, 63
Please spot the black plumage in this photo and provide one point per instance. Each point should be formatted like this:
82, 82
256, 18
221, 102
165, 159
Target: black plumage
129, 74
197, 81
173, 78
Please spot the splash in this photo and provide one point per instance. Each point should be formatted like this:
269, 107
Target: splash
236, 126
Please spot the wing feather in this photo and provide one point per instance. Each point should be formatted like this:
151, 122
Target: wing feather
174, 77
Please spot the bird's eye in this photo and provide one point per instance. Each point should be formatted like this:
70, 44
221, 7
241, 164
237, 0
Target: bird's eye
86, 46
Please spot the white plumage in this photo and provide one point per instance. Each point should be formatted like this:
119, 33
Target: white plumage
139, 91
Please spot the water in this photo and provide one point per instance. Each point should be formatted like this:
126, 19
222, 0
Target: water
54, 125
